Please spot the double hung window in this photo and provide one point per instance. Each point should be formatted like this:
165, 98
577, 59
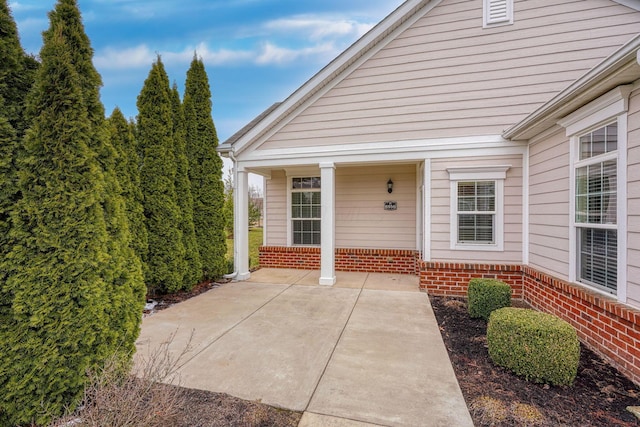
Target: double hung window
305, 210
596, 201
477, 207
476, 212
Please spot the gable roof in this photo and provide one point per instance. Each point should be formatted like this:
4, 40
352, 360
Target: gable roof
405, 15
620, 68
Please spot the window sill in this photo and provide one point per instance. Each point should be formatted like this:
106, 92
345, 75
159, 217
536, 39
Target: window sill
478, 247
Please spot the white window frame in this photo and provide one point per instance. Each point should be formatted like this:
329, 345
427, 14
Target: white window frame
609, 108
489, 9
291, 174
496, 174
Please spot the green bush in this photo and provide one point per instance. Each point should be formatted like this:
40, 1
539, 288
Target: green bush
538, 346
486, 295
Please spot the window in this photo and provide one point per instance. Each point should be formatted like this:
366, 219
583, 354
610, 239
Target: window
305, 210
596, 212
497, 12
477, 200
476, 211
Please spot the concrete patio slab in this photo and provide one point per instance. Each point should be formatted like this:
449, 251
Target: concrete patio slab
208, 317
277, 356
309, 419
350, 279
391, 367
344, 279
392, 282
346, 356
278, 275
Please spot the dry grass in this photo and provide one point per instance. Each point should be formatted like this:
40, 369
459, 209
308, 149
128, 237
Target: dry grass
143, 397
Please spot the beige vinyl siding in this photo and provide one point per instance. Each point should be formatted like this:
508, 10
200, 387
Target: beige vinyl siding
633, 201
276, 215
549, 204
361, 221
446, 76
440, 211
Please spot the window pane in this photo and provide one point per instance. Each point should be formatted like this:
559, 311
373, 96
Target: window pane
598, 257
475, 228
612, 137
486, 204
600, 141
466, 189
486, 188
466, 204
585, 147
315, 182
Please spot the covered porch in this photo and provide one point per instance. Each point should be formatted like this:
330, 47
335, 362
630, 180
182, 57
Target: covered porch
337, 217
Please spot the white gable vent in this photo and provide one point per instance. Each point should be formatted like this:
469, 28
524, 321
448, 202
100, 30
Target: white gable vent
498, 12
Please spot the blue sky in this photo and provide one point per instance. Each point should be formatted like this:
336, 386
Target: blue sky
256, 52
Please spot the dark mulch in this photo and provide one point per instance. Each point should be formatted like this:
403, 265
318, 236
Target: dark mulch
167, 300
207, 409
496, 397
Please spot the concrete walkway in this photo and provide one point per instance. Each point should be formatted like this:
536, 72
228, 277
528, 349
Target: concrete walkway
366, 351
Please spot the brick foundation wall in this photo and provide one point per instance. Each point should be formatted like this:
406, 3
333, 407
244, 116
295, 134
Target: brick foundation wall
452, 279
604, 325
395, 261
285, 257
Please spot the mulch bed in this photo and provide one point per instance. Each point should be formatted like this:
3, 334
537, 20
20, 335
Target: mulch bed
496, 397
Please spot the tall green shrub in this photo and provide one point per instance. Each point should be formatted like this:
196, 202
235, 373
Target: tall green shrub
193, 272
205, 171
74, 291
56, 324
17, 72
128, 172
123, 273
166, 256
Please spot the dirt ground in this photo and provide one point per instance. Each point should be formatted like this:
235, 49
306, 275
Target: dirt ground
496, 397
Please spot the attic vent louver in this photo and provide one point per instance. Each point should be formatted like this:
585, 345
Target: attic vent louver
498, 12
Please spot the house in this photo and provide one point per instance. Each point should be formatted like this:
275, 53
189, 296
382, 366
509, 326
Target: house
468, 138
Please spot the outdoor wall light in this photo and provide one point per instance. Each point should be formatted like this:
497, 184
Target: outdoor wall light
390, 186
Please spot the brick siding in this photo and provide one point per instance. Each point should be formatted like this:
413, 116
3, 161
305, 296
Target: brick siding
452, 279
395, 261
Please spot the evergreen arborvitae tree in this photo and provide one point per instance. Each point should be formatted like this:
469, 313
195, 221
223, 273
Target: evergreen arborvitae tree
128, 172
166, 259
17, 71
205, 171
74, 285
56, 325
8, 189
123, 276
193, 272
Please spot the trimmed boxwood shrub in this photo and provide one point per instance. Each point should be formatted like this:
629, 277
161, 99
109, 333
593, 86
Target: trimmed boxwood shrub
486, 295
538, 346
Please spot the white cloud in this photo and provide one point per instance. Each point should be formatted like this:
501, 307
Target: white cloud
317, 28
271, 54
133, 57
142, 56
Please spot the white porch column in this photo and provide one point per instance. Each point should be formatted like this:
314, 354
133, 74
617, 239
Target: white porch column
328, 233
241, 229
